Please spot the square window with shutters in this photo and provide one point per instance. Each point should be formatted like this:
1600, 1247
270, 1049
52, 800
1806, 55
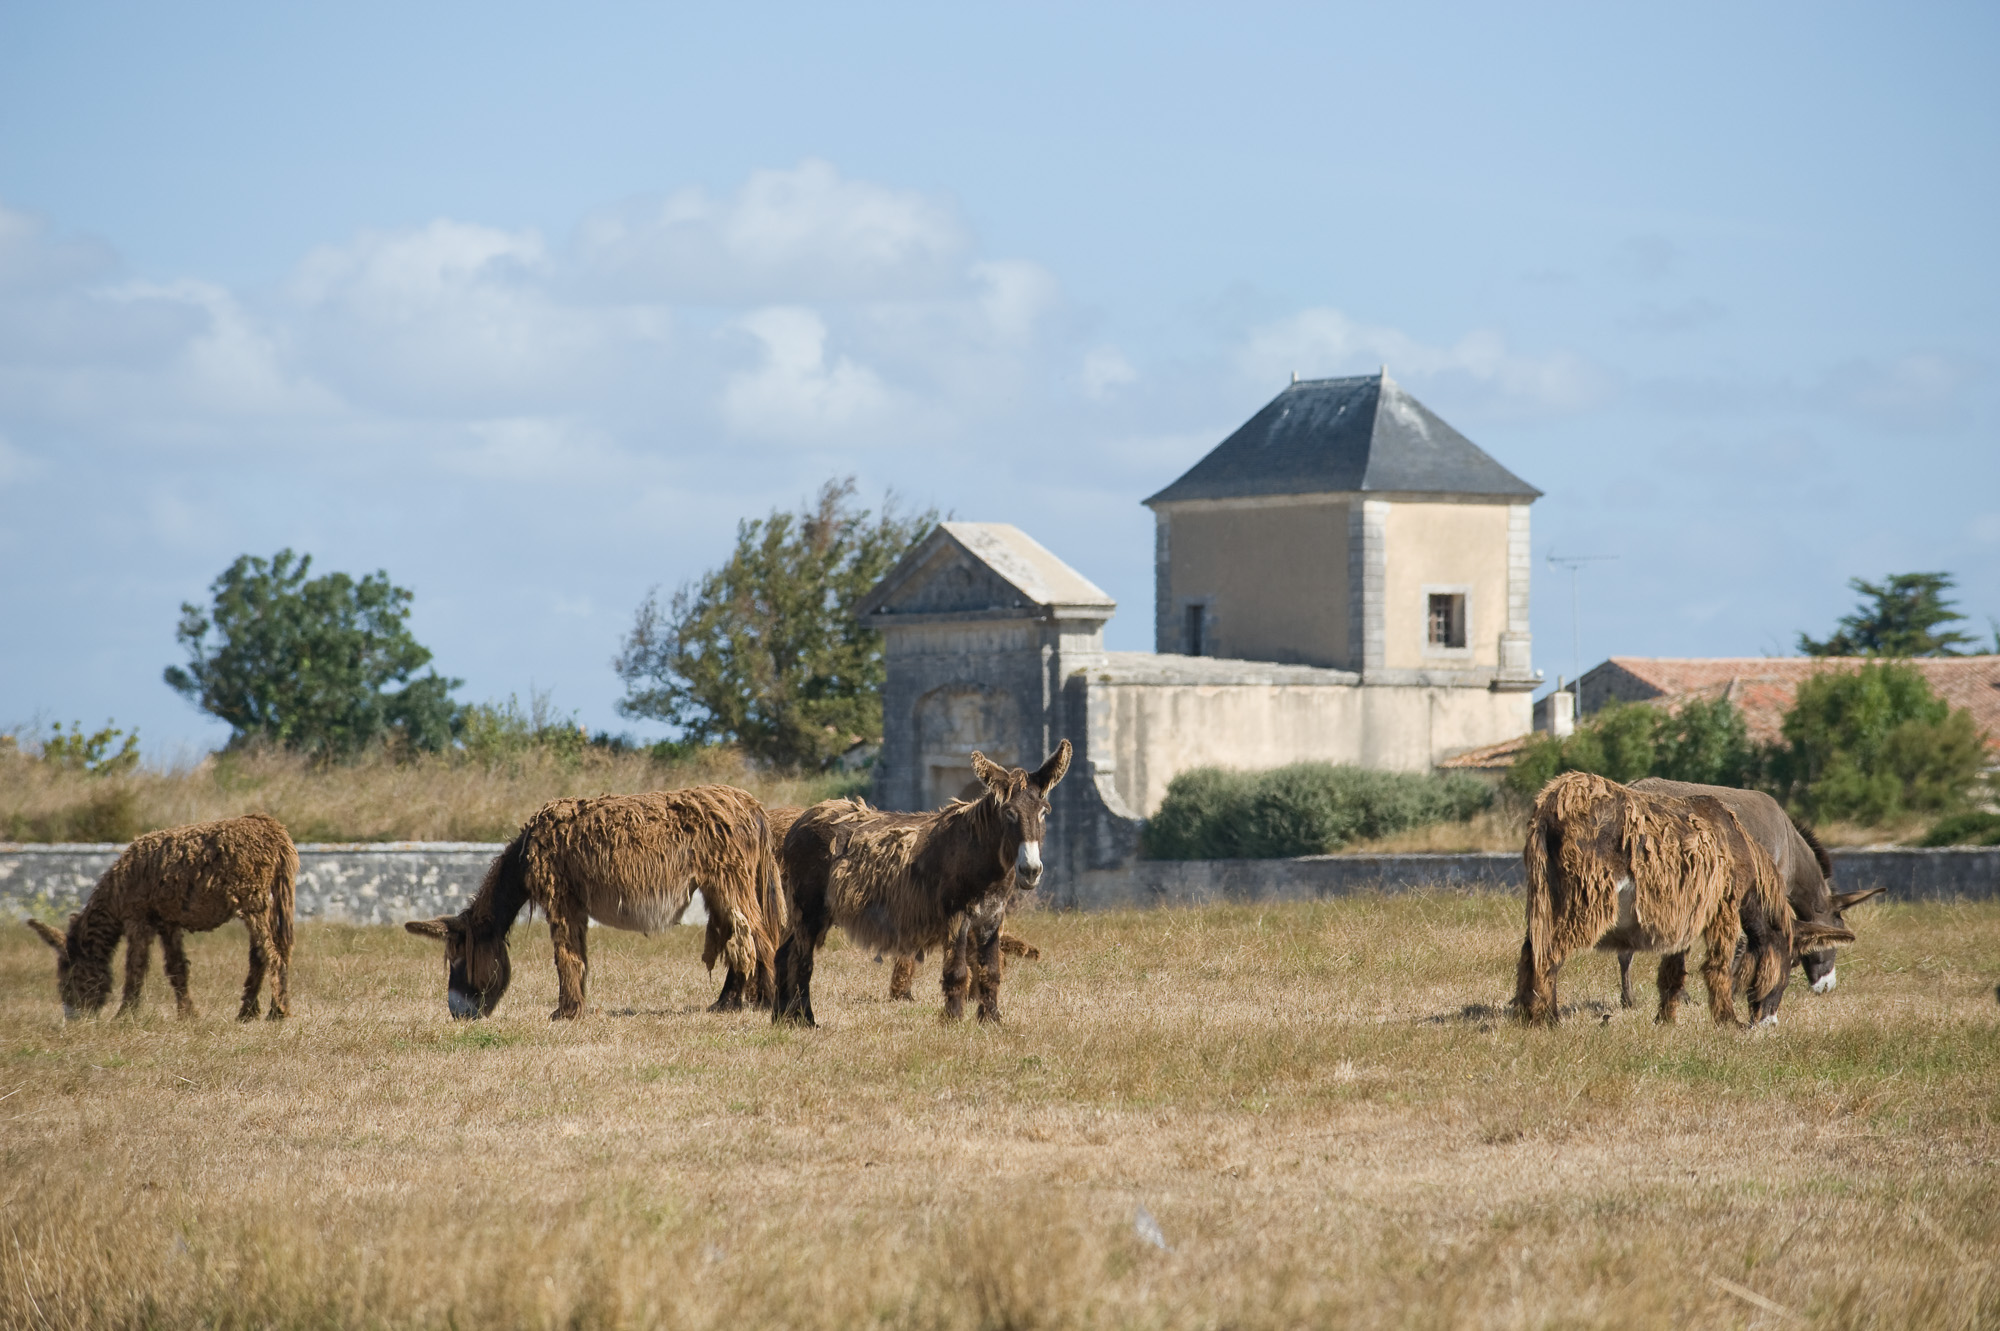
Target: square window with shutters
1447, 620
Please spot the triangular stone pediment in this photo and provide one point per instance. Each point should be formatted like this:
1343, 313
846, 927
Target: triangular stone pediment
984, 568
954, 582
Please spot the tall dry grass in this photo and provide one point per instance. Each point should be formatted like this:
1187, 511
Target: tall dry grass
423, 797
1320, 1105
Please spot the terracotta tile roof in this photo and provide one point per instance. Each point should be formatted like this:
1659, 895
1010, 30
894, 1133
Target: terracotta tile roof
1488, 757
1763, 687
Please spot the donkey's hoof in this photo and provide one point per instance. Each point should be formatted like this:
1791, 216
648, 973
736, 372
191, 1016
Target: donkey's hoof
247, 1014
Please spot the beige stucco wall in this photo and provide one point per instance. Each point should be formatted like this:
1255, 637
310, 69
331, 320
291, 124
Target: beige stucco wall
1153, 731
1274, 575
1440, 546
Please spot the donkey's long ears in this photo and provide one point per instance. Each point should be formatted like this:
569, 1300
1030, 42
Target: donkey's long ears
438, 928
1819, 933
1842, 900
1050, 772
51, 937
989, 772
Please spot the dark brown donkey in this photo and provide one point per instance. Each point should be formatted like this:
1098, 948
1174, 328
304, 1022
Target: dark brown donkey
178, 881
903, 882
632, 862
1802, 863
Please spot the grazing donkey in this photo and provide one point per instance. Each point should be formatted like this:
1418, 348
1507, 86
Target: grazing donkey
178, 881
632, 862
1620, 869
904, 882
1802, 863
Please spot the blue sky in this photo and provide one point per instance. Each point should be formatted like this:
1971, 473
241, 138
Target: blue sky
529, 305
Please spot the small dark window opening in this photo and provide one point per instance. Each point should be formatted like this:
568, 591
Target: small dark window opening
1447, 620
1194, 615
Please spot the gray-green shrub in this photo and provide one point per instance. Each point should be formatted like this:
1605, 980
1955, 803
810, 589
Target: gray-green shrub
1213, 813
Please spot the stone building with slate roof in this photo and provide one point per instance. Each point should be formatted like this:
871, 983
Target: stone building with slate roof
1345, 579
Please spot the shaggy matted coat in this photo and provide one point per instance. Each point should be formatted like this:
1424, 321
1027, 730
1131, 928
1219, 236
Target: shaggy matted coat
178, 881
1613, 868
632, 862
1802, 864
900, 883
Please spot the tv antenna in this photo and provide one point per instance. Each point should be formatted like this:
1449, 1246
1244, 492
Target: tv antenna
1573, 563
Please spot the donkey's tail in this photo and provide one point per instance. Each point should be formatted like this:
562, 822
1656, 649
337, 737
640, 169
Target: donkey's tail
771, 888
284, 899
1539, 942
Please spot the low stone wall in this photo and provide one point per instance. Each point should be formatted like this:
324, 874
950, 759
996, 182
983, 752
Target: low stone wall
396, 881
360, 883
1951, 874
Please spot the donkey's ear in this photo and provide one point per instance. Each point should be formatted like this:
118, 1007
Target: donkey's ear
1819, 933
990, 773
1050, 772
51, 937
438, 928
1842, 900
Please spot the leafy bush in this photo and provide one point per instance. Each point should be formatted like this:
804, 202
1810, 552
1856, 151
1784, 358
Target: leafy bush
1212, 813
1965, 829
1871, 744
91, 753
501, 733
1704, 741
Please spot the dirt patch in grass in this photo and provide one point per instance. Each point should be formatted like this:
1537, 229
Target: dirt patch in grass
1322, 1109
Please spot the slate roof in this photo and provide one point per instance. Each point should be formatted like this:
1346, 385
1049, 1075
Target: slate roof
1338, 435
1763, 688
1014, 571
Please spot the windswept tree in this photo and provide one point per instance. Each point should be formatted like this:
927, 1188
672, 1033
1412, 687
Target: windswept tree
1902, 617
766, 651
309, 663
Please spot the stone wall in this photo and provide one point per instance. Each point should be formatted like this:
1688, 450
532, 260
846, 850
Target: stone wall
383, 883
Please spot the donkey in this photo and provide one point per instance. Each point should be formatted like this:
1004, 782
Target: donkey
1620, 869
904, 882
1802, 863
632, 862
177, 881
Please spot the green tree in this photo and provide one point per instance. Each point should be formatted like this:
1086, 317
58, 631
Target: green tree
1703, 740
85, 752
308, 662
766, 651
1903, 620
1873, 743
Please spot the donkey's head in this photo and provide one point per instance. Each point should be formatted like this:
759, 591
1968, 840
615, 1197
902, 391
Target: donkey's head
1022, 799
476, 969
83, 981
1816, 955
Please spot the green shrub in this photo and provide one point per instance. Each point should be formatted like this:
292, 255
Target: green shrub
1212, 813
1965, 829
1869, 745
1703, 741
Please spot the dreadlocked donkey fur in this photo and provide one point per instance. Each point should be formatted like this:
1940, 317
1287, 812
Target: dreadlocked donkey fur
177, 881
1616, 869
1802, 864
903, 973
900, 883
632, 862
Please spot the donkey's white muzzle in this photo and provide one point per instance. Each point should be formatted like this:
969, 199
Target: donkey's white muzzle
1028, 863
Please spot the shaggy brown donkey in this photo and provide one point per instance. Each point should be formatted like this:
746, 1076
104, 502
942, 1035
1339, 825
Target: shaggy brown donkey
632, 862
177, 881
904, 882
1802, 863
1620, 869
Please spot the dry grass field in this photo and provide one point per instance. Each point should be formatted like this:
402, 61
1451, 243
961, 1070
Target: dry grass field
1321, 1107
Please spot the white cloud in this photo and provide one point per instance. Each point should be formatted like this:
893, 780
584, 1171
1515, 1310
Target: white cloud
1105, 371
796, 394
1322, 341
804, 233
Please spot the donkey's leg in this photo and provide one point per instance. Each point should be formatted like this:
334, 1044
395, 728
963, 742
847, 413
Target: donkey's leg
1765, 968
1672, 982
989, 976
722, 936
1719, 952
261, 949
174, 954
569, 932
138, 953
1625, 979
794, 968
281, 976
901, 976
957, 974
